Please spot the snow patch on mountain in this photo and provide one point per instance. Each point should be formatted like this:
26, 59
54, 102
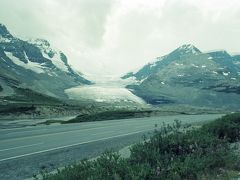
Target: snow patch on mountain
4, 40
194, 65
188, 48
180, 75
153, 64
56, 60
226, 73
33, 66
177, 64
49, 53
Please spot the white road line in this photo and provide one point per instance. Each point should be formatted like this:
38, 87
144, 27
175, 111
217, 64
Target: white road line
145, 126
19, 132
106, 132
83, 124
3, 130
57, 133
18, 147
71, 145
65, 132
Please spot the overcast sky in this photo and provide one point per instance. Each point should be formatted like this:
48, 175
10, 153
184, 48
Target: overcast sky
115, 36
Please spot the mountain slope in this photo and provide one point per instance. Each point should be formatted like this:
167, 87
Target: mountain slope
161, 62
190, 77
236, 60
34, 64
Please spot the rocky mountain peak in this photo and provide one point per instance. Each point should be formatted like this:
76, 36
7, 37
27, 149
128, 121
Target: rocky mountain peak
188, 49
41, 42
44, 46
4, 32
36, 65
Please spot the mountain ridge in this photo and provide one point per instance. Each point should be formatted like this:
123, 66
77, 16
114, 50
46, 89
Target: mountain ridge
197, 78
36, 65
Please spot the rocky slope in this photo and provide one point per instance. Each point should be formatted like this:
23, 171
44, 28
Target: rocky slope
34, 64
189, 76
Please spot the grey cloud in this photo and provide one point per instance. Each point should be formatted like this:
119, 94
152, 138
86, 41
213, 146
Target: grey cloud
114, 36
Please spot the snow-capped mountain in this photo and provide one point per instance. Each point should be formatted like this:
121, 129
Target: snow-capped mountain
161, 62
188, 76
36, 65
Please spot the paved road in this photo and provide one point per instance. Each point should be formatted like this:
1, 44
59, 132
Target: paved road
25, 151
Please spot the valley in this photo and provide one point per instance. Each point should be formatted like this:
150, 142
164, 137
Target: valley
52, 115
105, 89
189, 76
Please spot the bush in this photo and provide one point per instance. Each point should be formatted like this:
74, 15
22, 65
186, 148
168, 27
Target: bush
171, 153
109, 166
182, 155
108, 115
227, 127
25, 109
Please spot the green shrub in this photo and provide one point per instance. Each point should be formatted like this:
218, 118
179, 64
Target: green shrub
25, 109
227, 127
183, 155
109, 166
108, 115
171, 153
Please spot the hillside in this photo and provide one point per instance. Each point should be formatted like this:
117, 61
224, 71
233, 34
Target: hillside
189, 76
36, 65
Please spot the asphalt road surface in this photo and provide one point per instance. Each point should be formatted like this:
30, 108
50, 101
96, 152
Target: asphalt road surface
30, 150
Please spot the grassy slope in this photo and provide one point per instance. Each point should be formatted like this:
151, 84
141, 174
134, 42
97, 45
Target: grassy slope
30, 96
203, 153
109, 115
25, 101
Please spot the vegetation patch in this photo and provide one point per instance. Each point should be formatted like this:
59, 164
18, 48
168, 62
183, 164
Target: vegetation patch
49, 122
15, 109
28, 95
225, 88
25, 101
171, 153
226, 128
109, 115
